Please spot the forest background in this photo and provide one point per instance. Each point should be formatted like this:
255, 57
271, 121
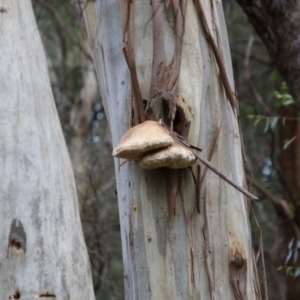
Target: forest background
268, 125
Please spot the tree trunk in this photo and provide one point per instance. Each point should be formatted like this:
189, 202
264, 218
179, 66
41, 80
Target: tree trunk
43, 254
79, 115
277, 23
289, 229
206, 255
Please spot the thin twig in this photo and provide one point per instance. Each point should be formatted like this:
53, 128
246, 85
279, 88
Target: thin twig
188, 217
263, 267
62, 24
247, 57
259, 99
194, 149
223, 176
256, 278
278, 203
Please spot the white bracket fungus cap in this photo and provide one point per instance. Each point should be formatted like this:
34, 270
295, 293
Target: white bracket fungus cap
174, 157
142, 138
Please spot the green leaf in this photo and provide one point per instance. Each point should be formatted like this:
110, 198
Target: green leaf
284, 98
277, 95
297, 272
286, 143
258, 119
274, 122
283, 121
267, 124
289, 271
288, 102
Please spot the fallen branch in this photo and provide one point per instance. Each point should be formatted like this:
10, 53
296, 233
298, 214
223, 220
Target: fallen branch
223, 176
194, 149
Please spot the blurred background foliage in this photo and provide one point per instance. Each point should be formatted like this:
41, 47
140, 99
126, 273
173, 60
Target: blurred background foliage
260, 91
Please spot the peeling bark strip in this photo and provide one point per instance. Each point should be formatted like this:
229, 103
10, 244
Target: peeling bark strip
238, 275
168, 91
198, 189
129, 54
159, 58
206, 251
218, 55
189, 216
172, 182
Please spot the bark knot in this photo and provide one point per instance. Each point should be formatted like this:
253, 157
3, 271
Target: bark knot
238, 275
17, 237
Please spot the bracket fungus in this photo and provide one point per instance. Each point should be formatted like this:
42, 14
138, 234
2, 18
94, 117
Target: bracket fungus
153, 146
174, 157
142, 138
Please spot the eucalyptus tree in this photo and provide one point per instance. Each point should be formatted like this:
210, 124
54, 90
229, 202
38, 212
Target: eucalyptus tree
43, 254
185, 232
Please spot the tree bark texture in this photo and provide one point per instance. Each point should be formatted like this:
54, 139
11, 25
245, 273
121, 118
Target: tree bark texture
204, 255
42, 252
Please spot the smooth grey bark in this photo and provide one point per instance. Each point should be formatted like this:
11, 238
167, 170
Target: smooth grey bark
42, 250
193, 257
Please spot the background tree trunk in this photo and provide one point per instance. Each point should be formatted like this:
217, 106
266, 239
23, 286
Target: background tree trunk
289, 168
79, 120
43, 254
277, 23
199, 255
